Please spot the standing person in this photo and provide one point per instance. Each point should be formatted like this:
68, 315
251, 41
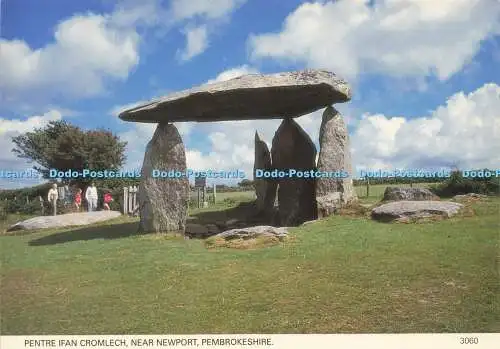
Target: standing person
107, 199
91, 197
78, 199
52, 197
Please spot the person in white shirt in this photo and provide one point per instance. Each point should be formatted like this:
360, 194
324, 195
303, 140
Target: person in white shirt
52, 197
91, 197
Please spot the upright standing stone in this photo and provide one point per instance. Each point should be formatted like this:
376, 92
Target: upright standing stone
293, 149
265, 189
334, 156
163, 202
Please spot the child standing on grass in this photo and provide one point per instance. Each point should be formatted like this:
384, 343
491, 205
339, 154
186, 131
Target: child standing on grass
107, 200
78, 199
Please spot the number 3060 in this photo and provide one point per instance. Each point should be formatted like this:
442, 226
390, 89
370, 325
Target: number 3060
469, 340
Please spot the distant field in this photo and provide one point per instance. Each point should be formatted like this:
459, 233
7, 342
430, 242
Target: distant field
376, 192
238, 195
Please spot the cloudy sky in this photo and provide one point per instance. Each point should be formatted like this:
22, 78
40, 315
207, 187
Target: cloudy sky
424, 73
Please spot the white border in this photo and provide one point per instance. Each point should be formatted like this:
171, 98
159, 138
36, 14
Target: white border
313, 341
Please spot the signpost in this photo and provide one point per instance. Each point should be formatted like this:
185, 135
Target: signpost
201, 189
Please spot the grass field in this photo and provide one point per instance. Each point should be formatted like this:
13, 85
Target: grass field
339, 275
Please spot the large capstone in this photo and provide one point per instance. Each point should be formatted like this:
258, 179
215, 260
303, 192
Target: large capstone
333, 192
293, 149
254, 96
265, 189
163, 202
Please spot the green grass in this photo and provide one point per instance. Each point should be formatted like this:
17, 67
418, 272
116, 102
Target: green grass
339, 275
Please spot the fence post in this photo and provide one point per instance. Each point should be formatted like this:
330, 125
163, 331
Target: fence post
125, 200
198, 192
367, 186
40, 198
134, 199
130, 197
205, 203
215, 193
54, 205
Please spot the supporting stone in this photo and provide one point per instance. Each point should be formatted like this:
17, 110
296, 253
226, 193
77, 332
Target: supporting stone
293, 149
163, 202
334, 156
265, 189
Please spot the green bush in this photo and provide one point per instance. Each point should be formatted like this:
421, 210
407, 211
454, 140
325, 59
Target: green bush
3, 212
458, 185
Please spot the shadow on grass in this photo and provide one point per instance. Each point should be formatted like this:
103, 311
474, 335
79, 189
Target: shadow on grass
112, 231
245, 213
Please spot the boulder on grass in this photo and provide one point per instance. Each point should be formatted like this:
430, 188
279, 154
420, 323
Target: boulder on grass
409, 194
249, 237
65, 220
404, 211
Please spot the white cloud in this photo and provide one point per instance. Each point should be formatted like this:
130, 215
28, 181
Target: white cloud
214, 9
90, 50
202, 18
11, 128
398, 37
234, 73
196, 42
464, 132
87, 51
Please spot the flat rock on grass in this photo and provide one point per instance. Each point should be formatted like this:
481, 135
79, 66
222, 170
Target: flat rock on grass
65, 220
253, 232
253, 96
404, 211
469, 197
248, 238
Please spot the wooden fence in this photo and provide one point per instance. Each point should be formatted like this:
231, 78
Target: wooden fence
130, 201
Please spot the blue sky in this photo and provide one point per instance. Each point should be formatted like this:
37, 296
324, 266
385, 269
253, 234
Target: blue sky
424, 73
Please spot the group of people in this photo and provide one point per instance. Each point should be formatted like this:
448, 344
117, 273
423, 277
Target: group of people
90, 196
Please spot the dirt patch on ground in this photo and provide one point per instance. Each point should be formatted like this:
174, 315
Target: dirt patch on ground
20, 282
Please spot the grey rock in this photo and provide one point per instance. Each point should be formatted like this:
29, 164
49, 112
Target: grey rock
221, 225
335, 158
469, 196
409, 194
253, 232
213, 229
293, 149
65, 220
254, 96
200, 230
265, 189
196, 229
163, 202
404, 210
231, 222
328, 204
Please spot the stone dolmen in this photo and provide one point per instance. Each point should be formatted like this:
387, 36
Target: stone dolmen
163, 202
